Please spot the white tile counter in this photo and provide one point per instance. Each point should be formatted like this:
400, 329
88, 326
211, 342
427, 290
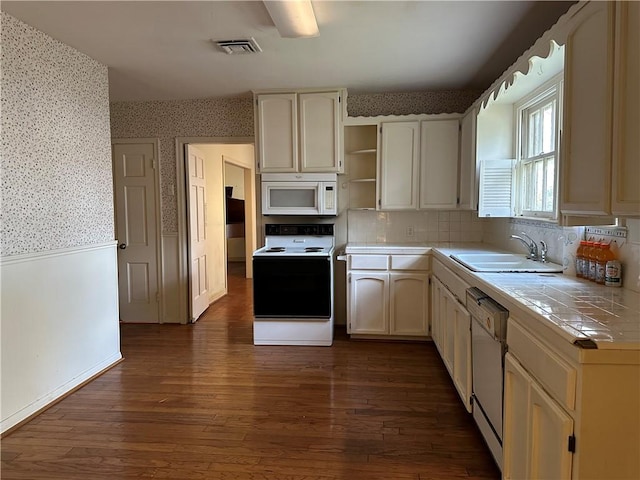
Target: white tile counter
575, 310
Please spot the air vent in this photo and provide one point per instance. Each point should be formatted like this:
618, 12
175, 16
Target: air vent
233, 47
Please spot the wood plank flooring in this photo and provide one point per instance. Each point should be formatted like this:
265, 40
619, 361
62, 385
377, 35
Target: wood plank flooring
201, 402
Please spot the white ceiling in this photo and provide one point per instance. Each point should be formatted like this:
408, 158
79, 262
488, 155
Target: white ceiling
163, 50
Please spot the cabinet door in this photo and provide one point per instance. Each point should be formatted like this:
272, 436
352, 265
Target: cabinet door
515, 436
536, 429
369, 303
409, 304
447, 310
550, 428
626, 115
439, 140
586, 158
468, 177
277, 133
462, 353
320, 132
399, 166
436, 321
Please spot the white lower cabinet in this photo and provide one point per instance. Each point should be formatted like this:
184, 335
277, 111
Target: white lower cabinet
388, 301
408, 304
451, 333
537, 431
369, 303
569, 412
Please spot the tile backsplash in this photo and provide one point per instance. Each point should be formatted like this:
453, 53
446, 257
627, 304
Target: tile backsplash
367, 226
563, 243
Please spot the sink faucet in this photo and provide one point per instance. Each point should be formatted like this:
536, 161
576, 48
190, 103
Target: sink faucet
530, 244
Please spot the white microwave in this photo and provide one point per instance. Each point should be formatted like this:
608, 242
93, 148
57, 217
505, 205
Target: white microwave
299, 194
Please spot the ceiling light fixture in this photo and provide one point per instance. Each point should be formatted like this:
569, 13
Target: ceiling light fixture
293, 18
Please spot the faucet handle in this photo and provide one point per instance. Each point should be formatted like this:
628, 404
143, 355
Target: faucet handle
543, 251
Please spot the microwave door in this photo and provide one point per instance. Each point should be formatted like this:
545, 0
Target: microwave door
291, 198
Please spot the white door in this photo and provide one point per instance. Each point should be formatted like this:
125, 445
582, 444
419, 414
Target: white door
136, 230
196, 201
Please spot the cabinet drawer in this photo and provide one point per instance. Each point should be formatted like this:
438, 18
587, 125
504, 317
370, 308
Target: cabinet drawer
409, 262
453, 282
368, 262
557, 376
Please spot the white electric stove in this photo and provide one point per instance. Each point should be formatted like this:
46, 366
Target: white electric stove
293, 285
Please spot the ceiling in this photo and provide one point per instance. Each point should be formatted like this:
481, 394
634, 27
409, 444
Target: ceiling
163, 50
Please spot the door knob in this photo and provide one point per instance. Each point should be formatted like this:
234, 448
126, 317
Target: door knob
122, 246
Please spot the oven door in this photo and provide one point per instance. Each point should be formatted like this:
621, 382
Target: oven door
292, 287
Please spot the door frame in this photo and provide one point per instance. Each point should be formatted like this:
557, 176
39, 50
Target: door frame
250, 210
156, 185
181, 213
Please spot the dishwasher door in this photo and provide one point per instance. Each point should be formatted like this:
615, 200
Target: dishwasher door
486, 358
488, 326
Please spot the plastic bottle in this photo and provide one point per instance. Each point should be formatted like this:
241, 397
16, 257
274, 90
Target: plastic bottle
593, 260
580, 258
602, 257
613, 274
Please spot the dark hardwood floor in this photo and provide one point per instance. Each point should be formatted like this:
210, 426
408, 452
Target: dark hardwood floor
201, 402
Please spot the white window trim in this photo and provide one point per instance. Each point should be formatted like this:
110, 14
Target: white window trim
557, 84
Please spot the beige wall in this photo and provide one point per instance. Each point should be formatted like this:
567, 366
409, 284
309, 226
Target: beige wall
234, 177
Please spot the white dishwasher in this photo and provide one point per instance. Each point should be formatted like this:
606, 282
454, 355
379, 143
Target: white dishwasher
488, 342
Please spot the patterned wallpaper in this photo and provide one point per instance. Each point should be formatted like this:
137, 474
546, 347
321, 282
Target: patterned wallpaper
445, 101
56, 152
166, 120
233, 117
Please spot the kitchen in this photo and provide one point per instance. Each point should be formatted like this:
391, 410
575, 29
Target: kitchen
424, 225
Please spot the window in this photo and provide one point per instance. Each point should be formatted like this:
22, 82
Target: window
538, 126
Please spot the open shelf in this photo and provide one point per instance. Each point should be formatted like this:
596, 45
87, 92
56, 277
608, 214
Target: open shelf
361, 154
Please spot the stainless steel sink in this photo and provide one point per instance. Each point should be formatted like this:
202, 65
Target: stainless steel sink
504, 262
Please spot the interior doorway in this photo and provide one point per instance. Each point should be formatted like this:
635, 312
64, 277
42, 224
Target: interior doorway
219, 157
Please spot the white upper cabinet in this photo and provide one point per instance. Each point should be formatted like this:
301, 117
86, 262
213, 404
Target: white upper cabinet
625, 198
601, 162
468, 196
299, 132
277, 132
439, 164
399, 165
586, 163
319, 132
419, 165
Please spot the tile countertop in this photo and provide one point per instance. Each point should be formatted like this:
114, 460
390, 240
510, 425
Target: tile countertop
573, 308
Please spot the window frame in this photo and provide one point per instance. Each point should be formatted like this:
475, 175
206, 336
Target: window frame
549, 91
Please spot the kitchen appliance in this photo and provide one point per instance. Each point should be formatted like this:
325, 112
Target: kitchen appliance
299, 194
488, 347
293, 285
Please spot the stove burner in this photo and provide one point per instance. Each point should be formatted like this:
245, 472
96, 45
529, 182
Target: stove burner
313, 249
275, 249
